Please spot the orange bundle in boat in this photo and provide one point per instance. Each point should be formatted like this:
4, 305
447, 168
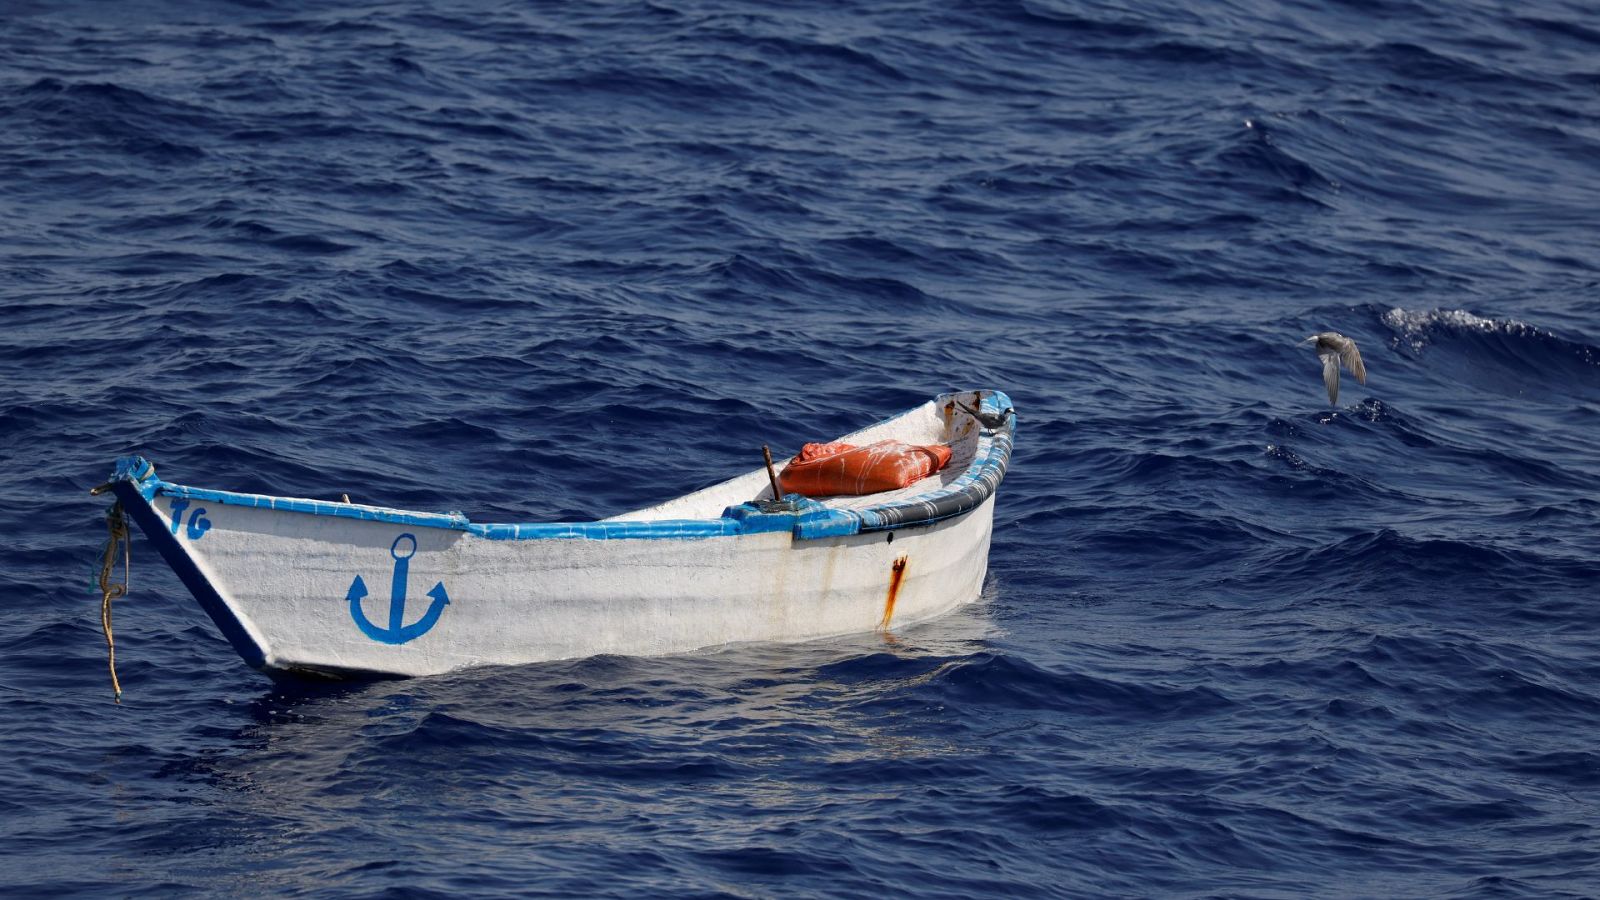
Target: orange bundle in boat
827, 470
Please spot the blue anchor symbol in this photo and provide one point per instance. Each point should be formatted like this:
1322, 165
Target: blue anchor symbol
398, 632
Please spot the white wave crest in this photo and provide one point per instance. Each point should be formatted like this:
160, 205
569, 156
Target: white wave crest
1413, 326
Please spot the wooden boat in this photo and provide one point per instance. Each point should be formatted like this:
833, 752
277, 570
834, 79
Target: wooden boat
311, 587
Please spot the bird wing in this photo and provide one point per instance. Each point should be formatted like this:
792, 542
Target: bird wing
1351, 357
1330, 375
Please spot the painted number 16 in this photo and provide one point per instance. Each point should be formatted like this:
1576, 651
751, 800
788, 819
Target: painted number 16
198, 523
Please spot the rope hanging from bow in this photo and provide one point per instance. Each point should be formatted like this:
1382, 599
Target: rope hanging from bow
117, 544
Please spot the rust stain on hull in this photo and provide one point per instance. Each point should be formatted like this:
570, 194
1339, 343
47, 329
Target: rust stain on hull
897, 575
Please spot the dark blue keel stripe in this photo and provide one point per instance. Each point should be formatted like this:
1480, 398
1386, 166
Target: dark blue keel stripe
160, 534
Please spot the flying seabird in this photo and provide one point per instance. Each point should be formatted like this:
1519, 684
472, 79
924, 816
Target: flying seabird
1334, 348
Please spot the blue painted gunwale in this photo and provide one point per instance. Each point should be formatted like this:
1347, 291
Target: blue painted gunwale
808, 518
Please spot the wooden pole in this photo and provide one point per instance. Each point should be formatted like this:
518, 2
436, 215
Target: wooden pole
777, 492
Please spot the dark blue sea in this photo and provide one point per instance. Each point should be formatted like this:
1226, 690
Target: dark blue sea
542, 262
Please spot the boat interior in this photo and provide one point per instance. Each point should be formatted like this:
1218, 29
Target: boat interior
943, 420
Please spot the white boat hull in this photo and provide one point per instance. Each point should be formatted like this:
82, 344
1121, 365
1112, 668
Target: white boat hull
529, 601
308, 587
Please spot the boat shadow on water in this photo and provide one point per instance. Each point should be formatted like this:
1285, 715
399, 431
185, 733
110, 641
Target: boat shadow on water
721, 713
692, 757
